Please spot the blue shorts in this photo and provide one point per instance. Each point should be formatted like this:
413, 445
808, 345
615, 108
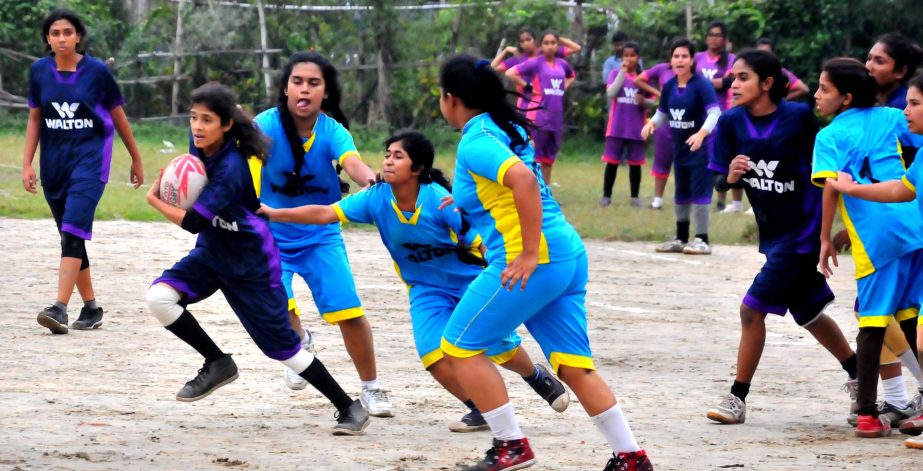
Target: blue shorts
74, 206
790, 283
692, 183
430, 310
553, 308
259, 303
894, 290
325, 268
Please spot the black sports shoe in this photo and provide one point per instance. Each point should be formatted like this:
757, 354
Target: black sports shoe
353, 421
550, 389
53, 318
634, 461
88, 319
506, 454
471, 422
212, 376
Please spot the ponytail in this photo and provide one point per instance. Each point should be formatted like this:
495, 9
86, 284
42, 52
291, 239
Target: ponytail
477, 85
222, 101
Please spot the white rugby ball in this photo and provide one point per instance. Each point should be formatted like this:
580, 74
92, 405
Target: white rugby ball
183, 181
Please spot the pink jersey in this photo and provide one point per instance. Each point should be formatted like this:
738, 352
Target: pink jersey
792, 78
658, 75
708, 66
523, 102
626, 117
547, 81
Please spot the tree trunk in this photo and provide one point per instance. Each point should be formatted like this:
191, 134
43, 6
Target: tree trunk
453, 42
177, 60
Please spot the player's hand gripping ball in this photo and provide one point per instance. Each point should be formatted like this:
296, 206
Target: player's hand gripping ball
183, 181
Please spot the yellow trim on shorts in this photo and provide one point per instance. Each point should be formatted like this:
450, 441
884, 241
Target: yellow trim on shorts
505, 356
336, 317
908, 313
347, 154
432, 357
340, 214
293, 306
820, 178
875, 321
567, 359
908, 184
863, 262
458, 352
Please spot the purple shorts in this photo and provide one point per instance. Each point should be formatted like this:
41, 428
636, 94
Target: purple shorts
790, 283
620, 150
663, 153
546, 144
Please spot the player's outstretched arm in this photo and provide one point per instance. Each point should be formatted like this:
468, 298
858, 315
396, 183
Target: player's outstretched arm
120, 122
307, 214
359, 172
828, 209
894, 191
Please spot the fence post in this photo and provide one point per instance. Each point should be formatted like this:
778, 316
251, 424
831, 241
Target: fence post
177, 60
264, 45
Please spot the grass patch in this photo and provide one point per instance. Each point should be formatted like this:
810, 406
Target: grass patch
578, 173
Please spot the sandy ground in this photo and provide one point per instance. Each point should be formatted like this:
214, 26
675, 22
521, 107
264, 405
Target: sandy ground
664, 331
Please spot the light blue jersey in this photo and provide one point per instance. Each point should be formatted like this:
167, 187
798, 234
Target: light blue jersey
912, 179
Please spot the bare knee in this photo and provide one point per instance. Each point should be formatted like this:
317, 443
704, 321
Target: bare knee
750, 317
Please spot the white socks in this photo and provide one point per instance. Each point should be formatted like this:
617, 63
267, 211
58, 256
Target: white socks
503, 424
909, 360
614, 426
658, 202
371, 385
738, 205
895, 391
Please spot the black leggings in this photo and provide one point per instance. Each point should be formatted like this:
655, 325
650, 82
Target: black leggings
74, 247
634, 179
868, 353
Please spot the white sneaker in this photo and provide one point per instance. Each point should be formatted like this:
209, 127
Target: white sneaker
671, 246
914, 442
750, 212
852, 388
376, 402
731, 411
293, 381
697, 247
732, 209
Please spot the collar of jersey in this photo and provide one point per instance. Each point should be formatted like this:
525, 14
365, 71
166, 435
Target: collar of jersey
310, 142
400, 214
473, 121
847, 113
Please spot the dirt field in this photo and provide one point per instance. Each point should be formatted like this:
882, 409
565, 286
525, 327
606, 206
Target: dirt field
664, 332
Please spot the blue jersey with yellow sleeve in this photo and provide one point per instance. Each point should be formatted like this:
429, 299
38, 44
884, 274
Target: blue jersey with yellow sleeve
912, 179
866, 143
482, 160
317, 183
422, 243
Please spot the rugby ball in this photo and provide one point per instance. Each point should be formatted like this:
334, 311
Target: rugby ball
183, 181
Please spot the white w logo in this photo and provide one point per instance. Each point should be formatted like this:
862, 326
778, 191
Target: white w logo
763, 167
556, 83
677, 114
709, 73
631, 92
66, 110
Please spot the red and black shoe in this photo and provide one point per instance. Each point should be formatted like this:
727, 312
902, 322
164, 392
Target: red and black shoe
870, 426
506, 454
633, 461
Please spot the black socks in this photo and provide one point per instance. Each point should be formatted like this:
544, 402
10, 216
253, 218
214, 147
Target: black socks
740, 390
189, 331
851, 367
316, 374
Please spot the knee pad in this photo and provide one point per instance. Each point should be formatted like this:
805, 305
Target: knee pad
163, 301
73, 247
299, 361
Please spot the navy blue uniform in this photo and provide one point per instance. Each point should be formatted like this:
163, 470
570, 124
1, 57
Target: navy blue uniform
786, 204
686, 109
75, 137
236, 253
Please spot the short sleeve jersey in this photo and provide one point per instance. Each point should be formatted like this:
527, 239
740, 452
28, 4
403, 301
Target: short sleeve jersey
239, 240
686, 109
547, 81
626, 117
866, 143
523, 102
329, 144
710, 68
659, 74
483, 158
787, 206
421, 243
76, 130
792, 78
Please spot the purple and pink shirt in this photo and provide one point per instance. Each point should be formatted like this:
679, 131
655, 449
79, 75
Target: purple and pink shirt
523, 102
548, 85
76, 130
658, 75
709, 67
626, 117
